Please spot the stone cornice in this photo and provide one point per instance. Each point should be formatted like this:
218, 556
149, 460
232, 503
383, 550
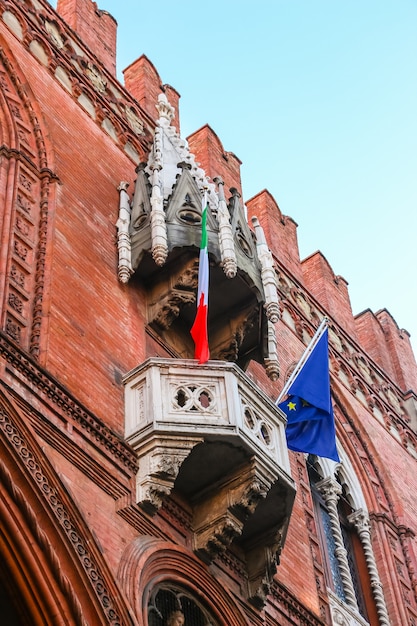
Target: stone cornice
45, 483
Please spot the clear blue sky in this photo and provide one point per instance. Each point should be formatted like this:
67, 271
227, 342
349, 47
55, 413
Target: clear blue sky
318, 99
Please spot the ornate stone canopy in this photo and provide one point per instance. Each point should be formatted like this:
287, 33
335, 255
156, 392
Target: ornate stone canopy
159, 232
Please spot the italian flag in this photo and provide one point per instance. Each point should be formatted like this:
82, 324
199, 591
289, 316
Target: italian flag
199, 328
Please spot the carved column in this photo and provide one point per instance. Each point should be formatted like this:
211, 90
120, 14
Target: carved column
269, 279
123, 238
227, 247
360, 520
331, 491
158, 224
272, 363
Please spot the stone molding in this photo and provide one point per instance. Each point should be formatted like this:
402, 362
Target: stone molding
147, 561
57, 502
41, 537
28, 208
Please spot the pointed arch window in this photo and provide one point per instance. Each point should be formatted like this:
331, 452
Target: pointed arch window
353, 583
328, 544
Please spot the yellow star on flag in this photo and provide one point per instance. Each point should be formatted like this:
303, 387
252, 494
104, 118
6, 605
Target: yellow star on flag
292, 406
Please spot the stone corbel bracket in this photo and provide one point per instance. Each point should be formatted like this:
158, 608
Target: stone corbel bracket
159, 463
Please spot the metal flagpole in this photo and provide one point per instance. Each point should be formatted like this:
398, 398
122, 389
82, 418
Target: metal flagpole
304, 358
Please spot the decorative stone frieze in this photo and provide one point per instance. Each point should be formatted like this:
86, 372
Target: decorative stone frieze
51, 42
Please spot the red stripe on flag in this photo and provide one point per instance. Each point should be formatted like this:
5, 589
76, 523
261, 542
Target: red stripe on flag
199, 332
199, 329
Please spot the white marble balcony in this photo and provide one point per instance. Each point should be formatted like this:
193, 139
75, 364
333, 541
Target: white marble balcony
208, 434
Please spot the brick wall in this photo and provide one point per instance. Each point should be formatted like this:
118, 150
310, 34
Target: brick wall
96, 28
280, 231
214, 160
330, 290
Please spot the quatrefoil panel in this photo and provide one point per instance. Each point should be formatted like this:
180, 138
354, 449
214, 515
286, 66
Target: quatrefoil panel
258, 427
194, 398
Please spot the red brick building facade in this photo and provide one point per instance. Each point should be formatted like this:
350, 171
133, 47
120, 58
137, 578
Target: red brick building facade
136, 486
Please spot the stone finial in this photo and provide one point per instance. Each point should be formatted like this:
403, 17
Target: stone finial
269, 280
123, 238
165, 110
227, 247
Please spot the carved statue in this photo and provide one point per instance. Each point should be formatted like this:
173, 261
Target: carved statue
176, 618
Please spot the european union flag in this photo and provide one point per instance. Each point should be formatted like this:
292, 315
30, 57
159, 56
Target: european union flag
309, 410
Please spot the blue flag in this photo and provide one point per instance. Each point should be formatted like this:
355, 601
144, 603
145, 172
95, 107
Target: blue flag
310, 426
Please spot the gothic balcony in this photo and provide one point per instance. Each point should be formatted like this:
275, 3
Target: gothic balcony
209, 434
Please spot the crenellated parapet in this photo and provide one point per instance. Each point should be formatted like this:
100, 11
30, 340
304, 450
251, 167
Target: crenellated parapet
280, 231
95, 27
143, 82
328, 289
208, 149
377, 333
